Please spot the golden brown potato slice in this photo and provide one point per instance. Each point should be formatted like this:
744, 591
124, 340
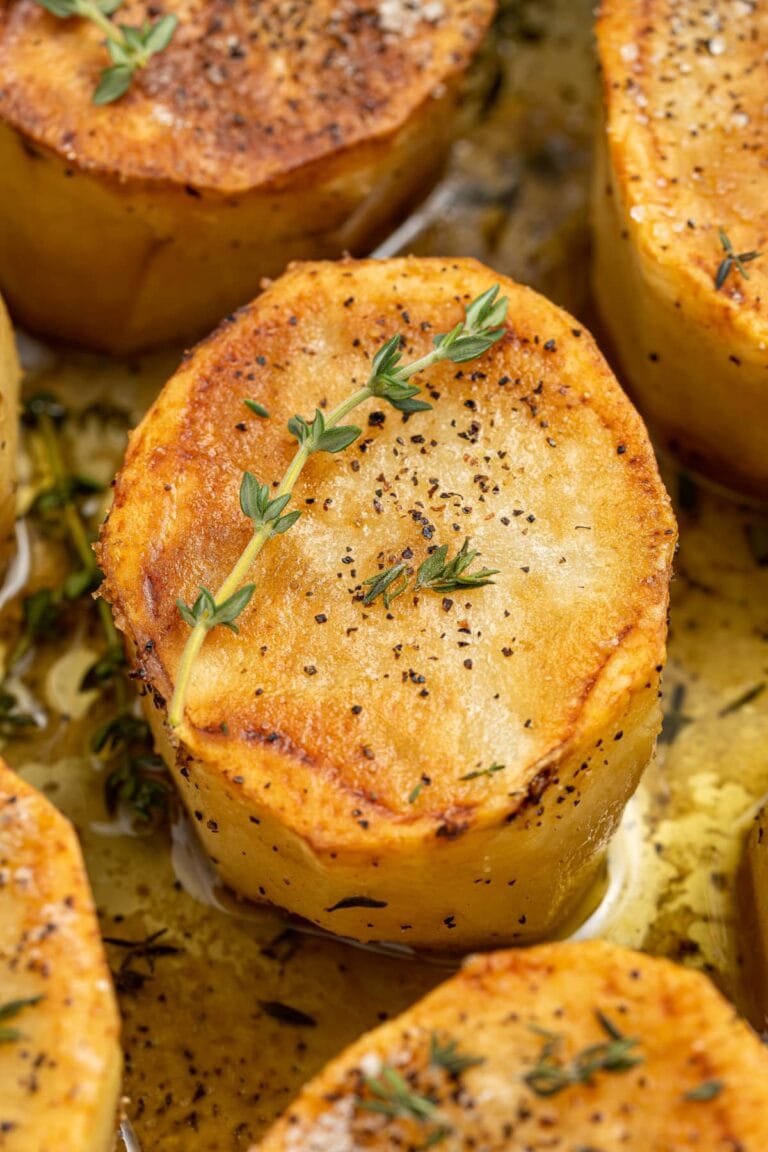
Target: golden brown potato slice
60, 1058
522, 1050
682, 173
9, 392
446, 772
264, 132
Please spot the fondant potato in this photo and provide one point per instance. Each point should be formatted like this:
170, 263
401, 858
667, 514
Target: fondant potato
681, 179
445, 772
563, 1046
60, 1066
262, 133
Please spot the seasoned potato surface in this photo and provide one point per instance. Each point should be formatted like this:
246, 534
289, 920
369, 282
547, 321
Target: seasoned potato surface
695, 1076
445, 772
683, 174
60, 1071
262, 133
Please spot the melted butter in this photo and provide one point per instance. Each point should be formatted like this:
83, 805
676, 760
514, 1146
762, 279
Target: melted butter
208, 1066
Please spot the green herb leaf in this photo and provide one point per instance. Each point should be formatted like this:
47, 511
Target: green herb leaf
388, 357
381, 584
551, 1075
298, 427
732, 260
129, 48
113, 83
337, 439
259, 409
490, 771
444, 576
253, 496
61, 8
160, 34
275, 507
11, 1009
285, 522
392, 1097
76, 584
708, 1090
446, 1055
228, 611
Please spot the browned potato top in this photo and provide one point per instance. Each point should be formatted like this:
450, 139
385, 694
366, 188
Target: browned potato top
533, 452
685, 91
244, 94
696, 1077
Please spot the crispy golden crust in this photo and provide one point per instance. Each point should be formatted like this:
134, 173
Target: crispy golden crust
59, 1081
686, 147
332, 712
495, 1009
229, 105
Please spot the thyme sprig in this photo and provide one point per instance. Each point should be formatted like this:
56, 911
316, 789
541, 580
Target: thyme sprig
390, 380
129, 48
732, 260
445, 1054
136, 776
551, 1075
491, 770
391, 1095
8, 1011
436, 573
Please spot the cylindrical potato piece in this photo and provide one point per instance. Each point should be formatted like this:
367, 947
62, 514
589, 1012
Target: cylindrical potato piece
558, 1047
60, 1066
260, 134
446, 771
681, 178
9, 398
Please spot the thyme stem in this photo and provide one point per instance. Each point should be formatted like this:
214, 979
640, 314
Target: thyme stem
75, 526
248, 555
481, 328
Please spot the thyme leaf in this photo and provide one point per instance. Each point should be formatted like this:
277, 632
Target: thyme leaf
389, 379
732, 260
478, 772
8, 1011
707, 1090
136, 776
259, 409
551, 1075
445, 1055
129, 48
436, 573
382, 584
390, 1095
